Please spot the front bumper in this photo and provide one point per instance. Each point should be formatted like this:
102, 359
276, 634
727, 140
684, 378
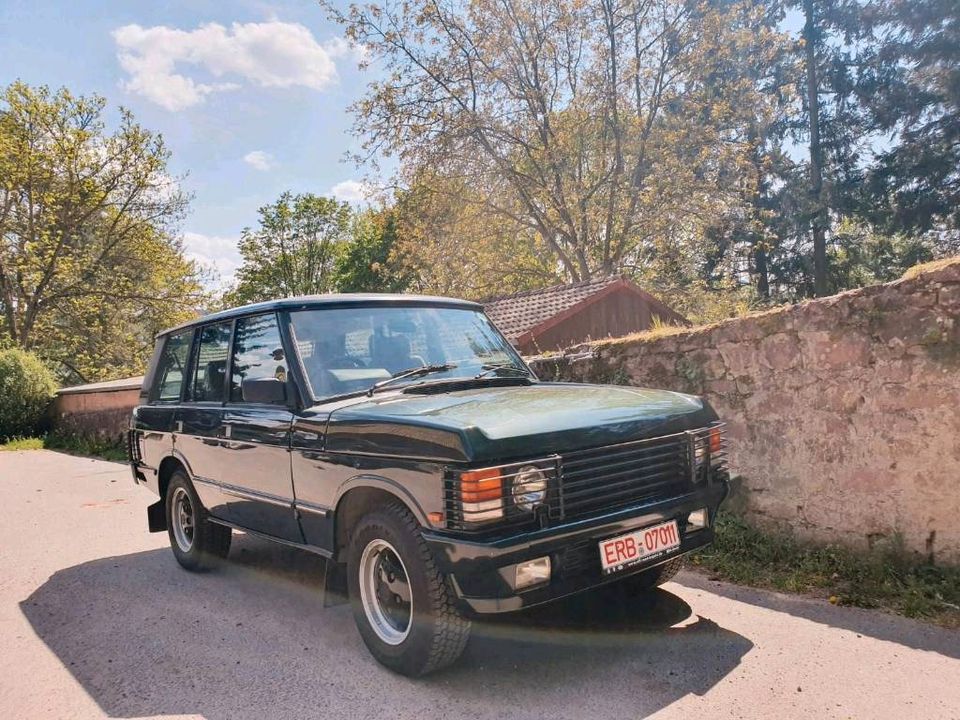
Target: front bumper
478, 571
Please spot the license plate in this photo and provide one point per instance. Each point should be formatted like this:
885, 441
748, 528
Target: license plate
644, 544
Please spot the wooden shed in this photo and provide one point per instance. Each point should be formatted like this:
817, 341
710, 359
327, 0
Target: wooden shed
564, 315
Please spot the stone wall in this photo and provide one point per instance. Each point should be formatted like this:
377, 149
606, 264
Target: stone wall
100, 410
843, 412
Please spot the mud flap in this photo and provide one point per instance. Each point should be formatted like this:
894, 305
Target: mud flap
157, 517
334, 583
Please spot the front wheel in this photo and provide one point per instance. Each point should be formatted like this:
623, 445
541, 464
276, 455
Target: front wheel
654, 577
197, 543
401, 603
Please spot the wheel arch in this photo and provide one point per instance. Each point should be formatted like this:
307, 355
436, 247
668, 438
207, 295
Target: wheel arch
169, 465
363, 493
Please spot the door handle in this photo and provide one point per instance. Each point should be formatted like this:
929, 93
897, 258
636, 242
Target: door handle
178, 426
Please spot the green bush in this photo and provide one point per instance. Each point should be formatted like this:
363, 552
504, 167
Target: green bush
26, 388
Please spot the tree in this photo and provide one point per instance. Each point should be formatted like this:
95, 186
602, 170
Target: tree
450, 246
595, 128
293, 251
89, 265
371, 262
912, 89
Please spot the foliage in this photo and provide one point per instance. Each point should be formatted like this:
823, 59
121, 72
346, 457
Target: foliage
449, 246
886, 577
693, 146
87, 445
26, 389
89, 267
294, 249
912, 91
590, 128
861, 256
29, 443
371, 261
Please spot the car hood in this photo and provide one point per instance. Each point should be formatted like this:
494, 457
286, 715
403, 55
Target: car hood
493, 424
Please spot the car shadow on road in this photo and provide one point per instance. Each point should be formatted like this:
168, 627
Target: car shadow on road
251, 640
880, 625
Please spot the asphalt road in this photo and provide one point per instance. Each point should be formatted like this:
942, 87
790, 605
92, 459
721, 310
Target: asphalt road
97, 620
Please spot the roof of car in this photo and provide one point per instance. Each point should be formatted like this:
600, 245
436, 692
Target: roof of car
308, 301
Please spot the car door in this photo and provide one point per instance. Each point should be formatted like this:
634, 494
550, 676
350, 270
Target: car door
257, 420
199, 419
154, 418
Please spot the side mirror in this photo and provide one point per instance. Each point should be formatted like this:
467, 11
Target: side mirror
268, 391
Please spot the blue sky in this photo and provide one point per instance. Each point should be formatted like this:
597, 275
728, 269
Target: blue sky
251, 97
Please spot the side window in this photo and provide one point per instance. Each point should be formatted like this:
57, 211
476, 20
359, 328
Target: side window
211, 372
172, 367
257, 353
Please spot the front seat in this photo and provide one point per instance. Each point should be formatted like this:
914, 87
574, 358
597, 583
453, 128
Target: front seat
392, 352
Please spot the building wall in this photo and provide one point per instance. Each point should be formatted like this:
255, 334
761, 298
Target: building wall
101, 413
618, 313
843, 413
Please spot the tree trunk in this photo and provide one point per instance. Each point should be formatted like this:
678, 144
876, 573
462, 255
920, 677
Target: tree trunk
818, 218
763, 273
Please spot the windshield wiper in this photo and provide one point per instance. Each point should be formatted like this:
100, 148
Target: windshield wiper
410, 373
494, 367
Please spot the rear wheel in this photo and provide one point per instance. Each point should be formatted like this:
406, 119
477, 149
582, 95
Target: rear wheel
197, 543
401, 603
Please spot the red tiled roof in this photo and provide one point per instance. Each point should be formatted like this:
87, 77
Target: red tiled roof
516, 314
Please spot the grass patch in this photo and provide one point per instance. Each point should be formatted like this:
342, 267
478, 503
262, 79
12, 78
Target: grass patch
89, 447
887, 579
22, 444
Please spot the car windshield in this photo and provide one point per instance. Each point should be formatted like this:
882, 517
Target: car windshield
349, 349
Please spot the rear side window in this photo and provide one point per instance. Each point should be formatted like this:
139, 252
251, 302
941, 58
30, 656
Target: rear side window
172, 367
210, 375
257, 353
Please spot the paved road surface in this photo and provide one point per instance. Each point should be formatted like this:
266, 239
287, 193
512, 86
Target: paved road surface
97, 620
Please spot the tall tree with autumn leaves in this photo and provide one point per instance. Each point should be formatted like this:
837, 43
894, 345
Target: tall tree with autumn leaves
716, 146
598, 131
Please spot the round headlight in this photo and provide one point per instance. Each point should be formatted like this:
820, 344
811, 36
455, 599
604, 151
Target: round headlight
529, 488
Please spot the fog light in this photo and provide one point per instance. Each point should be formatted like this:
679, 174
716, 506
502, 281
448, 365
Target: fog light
532, 572
698, 519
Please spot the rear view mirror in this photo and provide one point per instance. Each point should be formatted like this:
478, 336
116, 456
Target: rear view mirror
268, 391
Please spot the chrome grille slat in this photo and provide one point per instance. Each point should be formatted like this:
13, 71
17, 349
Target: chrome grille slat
626, 459
582, 478
645, 481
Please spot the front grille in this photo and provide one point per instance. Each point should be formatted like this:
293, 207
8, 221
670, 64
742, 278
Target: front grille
600, 479
586, 483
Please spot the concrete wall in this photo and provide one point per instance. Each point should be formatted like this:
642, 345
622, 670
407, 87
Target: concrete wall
99, 410
843, 413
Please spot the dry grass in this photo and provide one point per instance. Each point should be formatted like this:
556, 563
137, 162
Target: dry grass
918, 270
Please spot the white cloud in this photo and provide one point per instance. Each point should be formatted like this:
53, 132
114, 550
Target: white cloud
259, 160
351, 191
268, 54
213, 252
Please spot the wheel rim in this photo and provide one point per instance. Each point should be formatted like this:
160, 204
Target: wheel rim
183, 520
385, 592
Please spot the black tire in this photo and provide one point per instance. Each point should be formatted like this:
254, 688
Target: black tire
436, 632
654, 577
208, 543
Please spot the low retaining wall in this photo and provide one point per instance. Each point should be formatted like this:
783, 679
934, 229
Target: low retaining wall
100, 410
843, 412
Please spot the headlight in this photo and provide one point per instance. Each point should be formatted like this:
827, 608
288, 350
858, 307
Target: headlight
529, 488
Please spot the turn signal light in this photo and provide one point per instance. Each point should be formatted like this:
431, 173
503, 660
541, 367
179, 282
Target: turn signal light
716, 440
480, 485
